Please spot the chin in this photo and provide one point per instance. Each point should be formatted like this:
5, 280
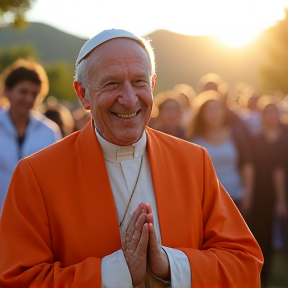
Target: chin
128, 139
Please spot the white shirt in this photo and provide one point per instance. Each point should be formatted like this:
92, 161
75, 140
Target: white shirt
40, 133
122, 164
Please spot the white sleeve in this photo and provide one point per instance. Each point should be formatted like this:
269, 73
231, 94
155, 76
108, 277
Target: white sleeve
115, 271
179, 268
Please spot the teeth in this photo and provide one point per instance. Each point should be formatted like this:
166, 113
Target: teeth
126, 116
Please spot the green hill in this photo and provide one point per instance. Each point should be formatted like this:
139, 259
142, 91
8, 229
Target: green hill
52, 44
179, 58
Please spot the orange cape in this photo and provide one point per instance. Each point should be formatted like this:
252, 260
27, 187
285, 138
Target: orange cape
59, 218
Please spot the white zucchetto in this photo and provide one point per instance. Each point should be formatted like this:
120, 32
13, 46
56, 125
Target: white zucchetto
102, 37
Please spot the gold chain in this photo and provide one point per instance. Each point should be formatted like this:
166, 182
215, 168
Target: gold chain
133, 191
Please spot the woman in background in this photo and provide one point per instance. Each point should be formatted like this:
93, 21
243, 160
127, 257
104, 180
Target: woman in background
22, 130
231, 158
169, 114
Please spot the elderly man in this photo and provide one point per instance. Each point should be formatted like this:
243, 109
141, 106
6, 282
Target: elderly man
118, 204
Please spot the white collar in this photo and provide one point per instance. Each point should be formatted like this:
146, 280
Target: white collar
115, 153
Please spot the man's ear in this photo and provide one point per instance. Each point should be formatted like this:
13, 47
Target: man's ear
153, 84
80, 90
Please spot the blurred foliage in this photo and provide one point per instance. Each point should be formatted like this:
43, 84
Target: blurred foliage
14, 11
274, 74
11, 54
60, 74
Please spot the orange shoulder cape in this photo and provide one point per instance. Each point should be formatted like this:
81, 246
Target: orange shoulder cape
59, 218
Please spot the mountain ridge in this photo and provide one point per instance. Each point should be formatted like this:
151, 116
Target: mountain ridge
179, 58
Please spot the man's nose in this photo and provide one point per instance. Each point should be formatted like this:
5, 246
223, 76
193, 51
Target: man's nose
128, 95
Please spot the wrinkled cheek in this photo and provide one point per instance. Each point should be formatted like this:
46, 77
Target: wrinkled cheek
100, 119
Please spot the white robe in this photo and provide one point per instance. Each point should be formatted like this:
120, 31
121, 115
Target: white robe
122, 164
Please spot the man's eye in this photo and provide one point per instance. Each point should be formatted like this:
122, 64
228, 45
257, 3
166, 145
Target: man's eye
111, 85
140, 82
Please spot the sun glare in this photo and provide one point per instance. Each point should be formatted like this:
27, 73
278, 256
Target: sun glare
246, 19
233, 22
238, 36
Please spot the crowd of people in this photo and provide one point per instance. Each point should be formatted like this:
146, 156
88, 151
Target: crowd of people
246, 135
244, 132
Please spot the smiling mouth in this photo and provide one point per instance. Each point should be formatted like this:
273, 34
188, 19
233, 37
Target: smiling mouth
126, 116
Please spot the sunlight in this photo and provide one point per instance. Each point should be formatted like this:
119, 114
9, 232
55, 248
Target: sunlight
244, 20
233, 22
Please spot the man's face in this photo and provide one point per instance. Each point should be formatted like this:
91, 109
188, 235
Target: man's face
22, 96
120, 90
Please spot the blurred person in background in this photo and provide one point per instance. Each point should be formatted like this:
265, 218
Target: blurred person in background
81, 118
169, 114
22, 130
209, 81
214, 82
59, 114
250, 112
211, 129
185, 96
270, 150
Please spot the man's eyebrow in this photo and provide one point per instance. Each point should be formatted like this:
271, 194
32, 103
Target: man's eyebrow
141, 75
106, 78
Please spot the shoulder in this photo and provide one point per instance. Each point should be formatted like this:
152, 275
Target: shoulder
4, 115
168, 142
198, 140
61, 151
45, 124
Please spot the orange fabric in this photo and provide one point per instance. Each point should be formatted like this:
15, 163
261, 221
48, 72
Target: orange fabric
59, 218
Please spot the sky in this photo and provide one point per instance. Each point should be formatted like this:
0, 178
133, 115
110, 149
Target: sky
234, 22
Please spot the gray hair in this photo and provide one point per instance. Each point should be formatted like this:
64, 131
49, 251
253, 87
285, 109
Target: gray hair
81, 71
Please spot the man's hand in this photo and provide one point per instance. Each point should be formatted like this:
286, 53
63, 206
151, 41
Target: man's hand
134, 245
157, 257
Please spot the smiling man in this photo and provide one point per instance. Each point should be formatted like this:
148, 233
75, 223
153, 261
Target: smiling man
118, 204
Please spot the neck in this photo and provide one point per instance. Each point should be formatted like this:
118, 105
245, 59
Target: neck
128, 143
270, 128
214, 130
272, 133
216, 134
169, 128
20, 121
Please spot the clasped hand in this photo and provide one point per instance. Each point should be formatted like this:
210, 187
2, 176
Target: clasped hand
141, 249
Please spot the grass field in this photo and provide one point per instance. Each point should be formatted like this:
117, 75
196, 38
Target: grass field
279, 273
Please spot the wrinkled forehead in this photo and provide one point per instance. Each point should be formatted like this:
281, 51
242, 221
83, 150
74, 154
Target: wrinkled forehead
115, 54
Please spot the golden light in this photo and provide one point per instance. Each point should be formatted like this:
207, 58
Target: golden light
233, 22
246, 19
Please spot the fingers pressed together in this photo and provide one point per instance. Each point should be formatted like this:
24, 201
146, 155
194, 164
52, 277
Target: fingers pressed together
141, 248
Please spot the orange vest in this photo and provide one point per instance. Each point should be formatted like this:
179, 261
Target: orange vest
59, 218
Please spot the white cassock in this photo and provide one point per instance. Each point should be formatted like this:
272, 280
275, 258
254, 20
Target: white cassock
122, 164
